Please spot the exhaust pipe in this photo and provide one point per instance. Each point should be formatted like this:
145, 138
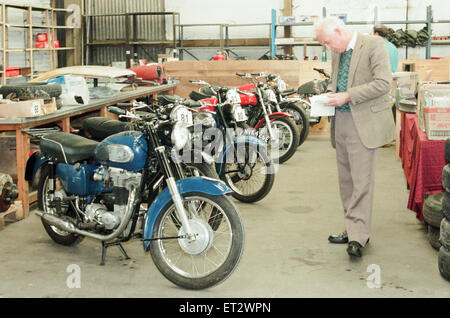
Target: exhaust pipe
71, 228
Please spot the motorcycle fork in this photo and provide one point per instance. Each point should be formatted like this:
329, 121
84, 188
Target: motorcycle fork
268, 123
176, 196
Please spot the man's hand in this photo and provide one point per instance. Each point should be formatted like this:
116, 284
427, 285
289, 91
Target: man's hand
338, 99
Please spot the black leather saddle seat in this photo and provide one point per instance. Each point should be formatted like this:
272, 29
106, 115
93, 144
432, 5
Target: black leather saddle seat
288, 92
99, 128
68, 148
205, 92
164, 100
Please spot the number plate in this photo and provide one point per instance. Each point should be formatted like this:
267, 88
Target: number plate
233, 97
184, 116
239, 114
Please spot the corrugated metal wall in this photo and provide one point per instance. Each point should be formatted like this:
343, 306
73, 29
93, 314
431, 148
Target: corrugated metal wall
114, 28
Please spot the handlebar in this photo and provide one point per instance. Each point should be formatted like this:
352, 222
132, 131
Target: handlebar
116, 110
125, 105
321, 71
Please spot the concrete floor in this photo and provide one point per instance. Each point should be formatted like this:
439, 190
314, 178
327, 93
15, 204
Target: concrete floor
286, 252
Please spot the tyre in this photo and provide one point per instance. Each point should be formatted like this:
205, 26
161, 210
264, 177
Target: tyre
433, 237
251, 178
447, 150
444, 236
446, 205
432, 209
446, 177
212, 257
444, 262
287, 141
32, 90
301, 120
57, 235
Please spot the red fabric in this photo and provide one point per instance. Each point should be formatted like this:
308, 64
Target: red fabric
422, 161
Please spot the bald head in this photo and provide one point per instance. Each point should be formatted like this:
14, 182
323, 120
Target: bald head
332, 33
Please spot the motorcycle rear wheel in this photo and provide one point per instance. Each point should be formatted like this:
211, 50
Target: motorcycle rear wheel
200, 170
57, 235
213, 256
242, 177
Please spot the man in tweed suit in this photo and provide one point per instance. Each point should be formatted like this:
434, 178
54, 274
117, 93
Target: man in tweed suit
360, 91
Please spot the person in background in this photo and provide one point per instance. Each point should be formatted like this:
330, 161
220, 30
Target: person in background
382, 31
360, 89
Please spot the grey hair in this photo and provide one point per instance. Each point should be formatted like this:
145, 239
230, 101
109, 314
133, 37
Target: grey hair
328, 25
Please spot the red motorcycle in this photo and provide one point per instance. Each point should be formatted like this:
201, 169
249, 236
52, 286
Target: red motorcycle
260, 104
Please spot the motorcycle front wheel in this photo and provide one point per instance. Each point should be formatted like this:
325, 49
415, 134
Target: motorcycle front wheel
213, 255
287, 139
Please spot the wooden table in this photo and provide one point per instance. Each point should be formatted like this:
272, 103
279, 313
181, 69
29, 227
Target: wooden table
422, 162
62, 119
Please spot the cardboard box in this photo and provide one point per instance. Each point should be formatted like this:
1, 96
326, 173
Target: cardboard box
407, 82
29, 108
434, 110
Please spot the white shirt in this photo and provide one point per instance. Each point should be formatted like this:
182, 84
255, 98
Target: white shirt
352, 43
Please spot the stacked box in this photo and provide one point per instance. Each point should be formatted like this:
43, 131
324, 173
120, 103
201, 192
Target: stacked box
407, 82
434, 110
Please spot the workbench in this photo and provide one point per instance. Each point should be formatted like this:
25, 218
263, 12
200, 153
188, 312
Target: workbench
62, 118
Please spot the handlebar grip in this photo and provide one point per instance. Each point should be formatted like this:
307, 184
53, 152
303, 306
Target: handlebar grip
255, 74
124, 105
240, 74
116, 110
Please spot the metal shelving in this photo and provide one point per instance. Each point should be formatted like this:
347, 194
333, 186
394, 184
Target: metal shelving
130, 42
428, 22
50, 27
225, 42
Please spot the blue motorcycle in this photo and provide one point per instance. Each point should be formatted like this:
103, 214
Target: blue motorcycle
111, 190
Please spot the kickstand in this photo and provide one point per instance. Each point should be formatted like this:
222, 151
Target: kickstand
106, 245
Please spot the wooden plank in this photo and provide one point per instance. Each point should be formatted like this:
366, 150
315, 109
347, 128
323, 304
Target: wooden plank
287, 11
13, 214
22, 150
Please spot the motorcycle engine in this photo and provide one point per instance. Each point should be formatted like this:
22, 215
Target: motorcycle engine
123, 181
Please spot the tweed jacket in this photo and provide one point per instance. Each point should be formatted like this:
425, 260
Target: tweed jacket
369, 87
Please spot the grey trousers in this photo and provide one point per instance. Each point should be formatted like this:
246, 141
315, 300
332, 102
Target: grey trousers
356, 172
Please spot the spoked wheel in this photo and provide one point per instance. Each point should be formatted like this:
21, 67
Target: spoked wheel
251, 176
301, 120
287, 139
44, 203
212, 256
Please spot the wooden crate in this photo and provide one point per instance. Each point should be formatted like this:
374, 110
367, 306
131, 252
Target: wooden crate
429, 70
223, 73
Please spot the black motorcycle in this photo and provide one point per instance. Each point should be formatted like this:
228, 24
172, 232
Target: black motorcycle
312, 88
